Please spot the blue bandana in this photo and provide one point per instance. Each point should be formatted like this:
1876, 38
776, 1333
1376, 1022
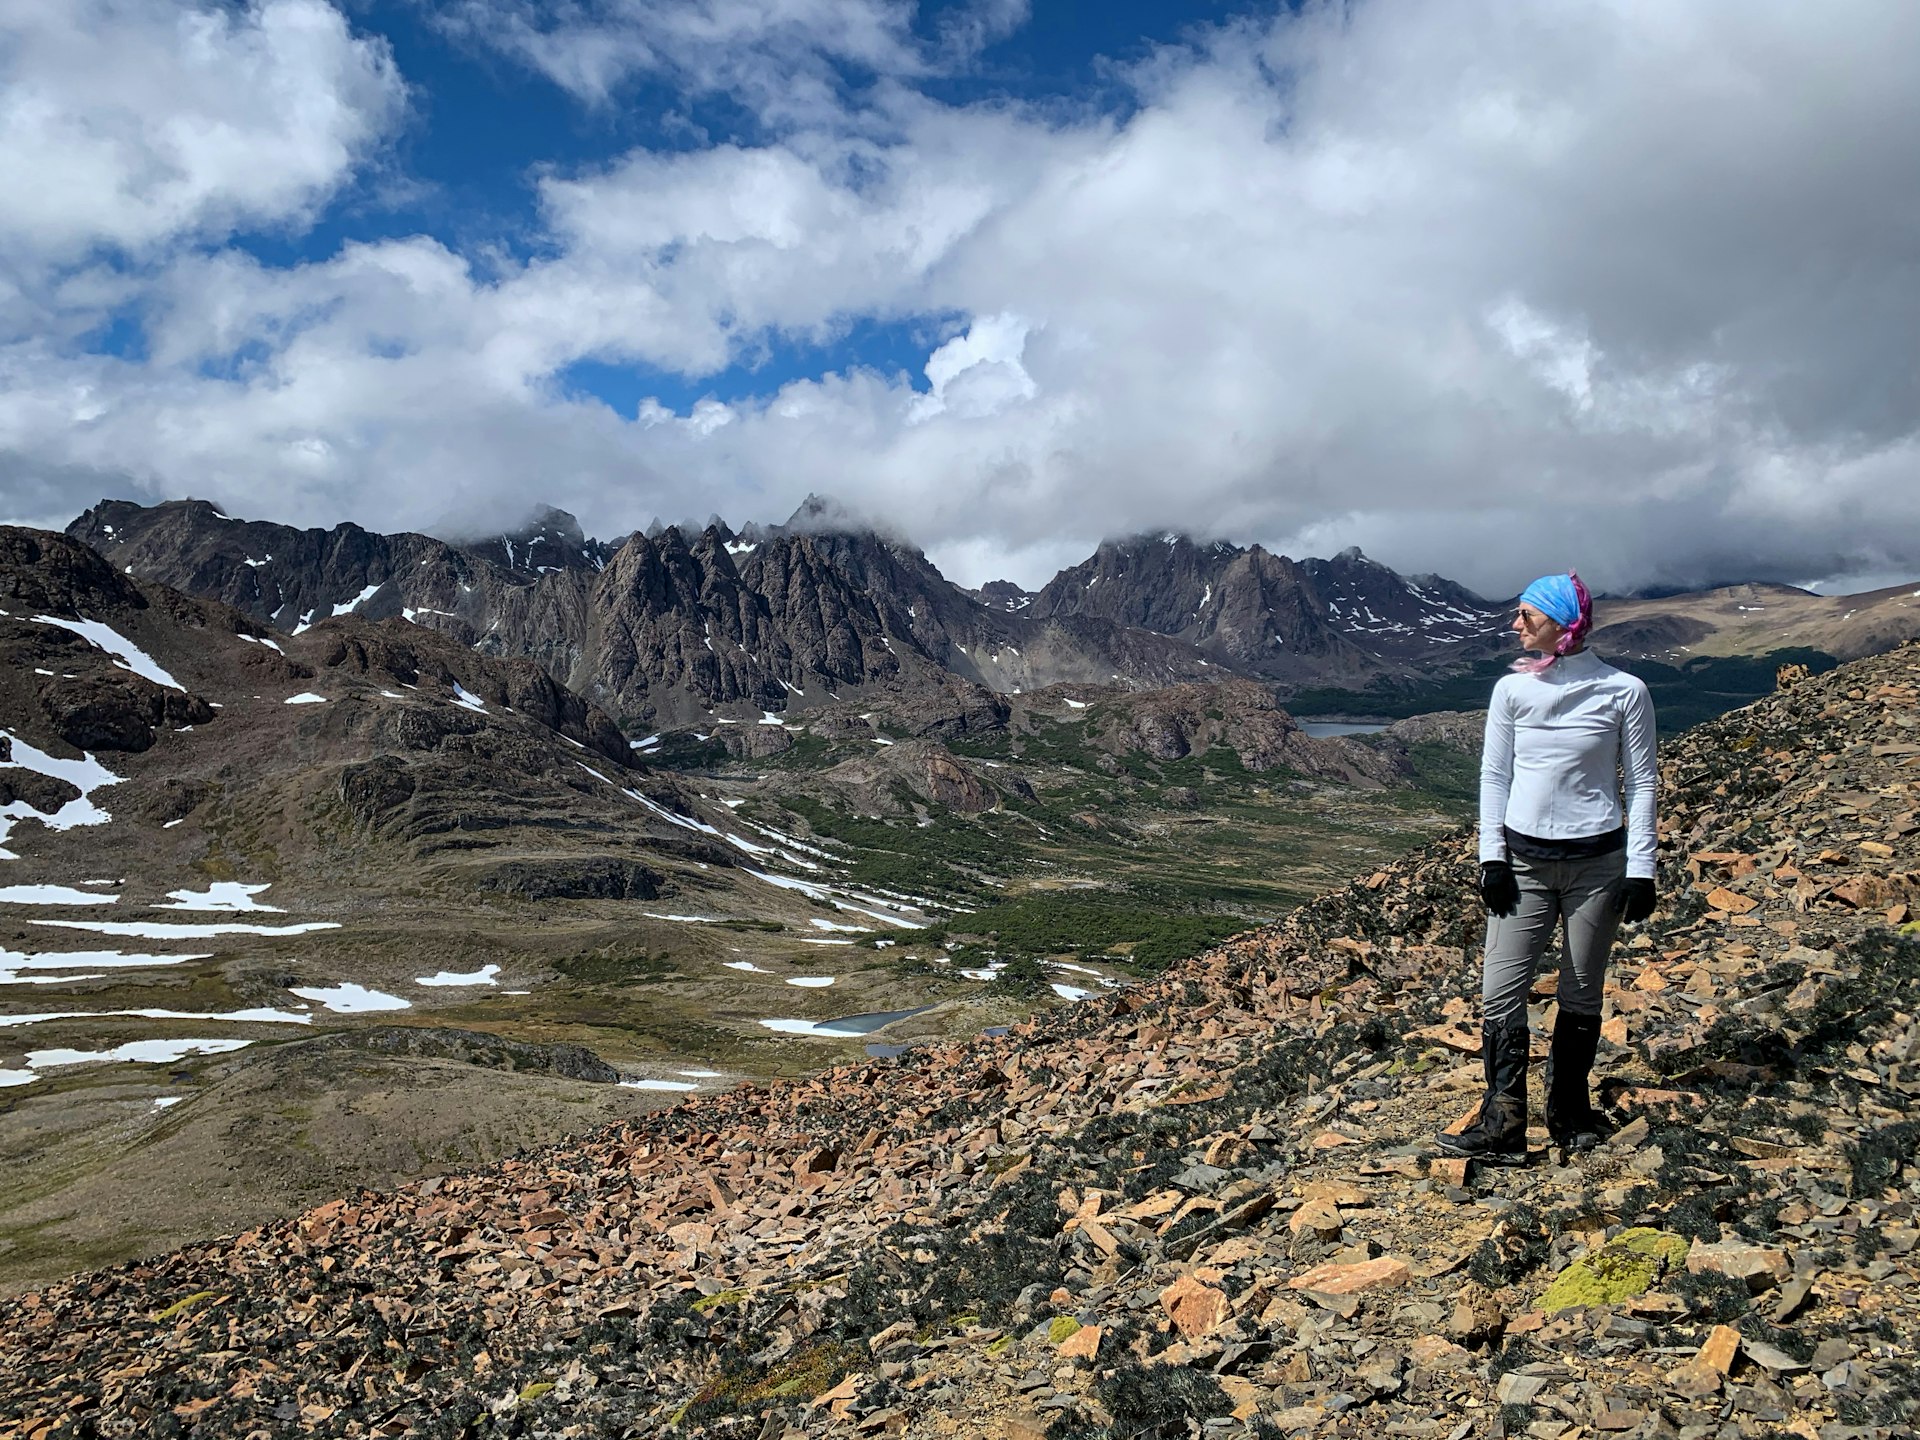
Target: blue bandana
1553, 597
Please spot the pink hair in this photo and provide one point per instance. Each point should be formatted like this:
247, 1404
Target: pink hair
1572, 637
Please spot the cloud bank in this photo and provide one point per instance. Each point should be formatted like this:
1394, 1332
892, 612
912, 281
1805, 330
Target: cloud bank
1487, 289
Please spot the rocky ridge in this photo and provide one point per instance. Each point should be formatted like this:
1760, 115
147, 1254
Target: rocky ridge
1300, 621
1200, 1201
666, 627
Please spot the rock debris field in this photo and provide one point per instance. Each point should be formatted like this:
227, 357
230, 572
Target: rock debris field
1197, 1206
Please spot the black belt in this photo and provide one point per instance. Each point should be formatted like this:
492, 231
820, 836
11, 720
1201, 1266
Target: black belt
1579, 847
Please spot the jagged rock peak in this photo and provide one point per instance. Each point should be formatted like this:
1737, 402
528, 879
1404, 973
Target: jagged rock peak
1147, 540
823, 514
549, 539
548, 520
1003, 595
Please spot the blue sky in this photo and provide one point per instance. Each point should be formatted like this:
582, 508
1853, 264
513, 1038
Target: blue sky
482, 127
1487, 289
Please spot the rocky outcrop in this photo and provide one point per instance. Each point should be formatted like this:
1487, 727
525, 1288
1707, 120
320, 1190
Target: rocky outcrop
470, 1047
894, 776
576, 877
952, 786
59, 601
1456, 729
396, 653
1183, 720
1204, 1198
1003, 595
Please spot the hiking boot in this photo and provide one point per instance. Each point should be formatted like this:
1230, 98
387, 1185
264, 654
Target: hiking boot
1499, 1135
1571, 1119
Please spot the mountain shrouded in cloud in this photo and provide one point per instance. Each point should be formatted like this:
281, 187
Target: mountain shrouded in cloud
1484, 289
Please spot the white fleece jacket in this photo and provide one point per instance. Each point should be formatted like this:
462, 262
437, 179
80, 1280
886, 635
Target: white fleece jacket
1557, 747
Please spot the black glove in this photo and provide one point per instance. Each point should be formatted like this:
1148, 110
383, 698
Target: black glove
1498, 887
1636, 899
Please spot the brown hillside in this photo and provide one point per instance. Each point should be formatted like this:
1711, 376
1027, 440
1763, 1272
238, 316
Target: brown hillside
1759, 619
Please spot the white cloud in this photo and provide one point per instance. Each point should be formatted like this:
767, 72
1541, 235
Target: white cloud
1485, 290
126, 123
791, 61
978, 373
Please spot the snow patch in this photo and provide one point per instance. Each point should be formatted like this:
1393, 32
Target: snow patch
158, 930
220, 895
346, 606
351, 999
807, 1027
52, 895
126, 654
483, 976
85, 774
261, 1016
139, 1052
62, 963
811, 982
305, 697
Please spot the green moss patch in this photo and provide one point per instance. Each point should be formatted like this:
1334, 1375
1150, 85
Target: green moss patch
747, 1389
1625, 1267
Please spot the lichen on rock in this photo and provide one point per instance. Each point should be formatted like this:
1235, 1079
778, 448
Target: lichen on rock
1624, 1267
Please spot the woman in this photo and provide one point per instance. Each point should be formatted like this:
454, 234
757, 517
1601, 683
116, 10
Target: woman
1558, 850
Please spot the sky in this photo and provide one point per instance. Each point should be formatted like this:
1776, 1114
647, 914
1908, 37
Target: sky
1486, 289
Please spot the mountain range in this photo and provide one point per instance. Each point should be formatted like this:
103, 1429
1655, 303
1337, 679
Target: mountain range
674, 626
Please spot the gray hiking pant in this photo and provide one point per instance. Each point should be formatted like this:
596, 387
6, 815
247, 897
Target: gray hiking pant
1581, 897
